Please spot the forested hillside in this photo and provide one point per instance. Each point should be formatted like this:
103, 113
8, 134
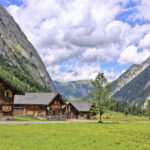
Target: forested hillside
21, 79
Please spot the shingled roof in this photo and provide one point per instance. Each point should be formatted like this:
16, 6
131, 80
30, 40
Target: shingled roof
81, 106
35, 98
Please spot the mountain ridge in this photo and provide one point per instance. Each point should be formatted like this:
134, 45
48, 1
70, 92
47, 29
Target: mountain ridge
134, 82
20, 53
133, 71
137, 90
74, 90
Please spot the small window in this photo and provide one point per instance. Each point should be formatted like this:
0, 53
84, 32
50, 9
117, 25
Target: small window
6, 108
8, 93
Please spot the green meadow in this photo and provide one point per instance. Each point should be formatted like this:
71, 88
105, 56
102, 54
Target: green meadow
76, 136
117, 116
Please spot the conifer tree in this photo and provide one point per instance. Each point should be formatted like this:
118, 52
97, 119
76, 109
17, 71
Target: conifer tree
148, 108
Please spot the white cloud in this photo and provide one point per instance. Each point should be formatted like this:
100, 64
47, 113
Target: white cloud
71, 25
145, 42
143, 8
76, 72
84, 30
111, 75
80, 71
131, 55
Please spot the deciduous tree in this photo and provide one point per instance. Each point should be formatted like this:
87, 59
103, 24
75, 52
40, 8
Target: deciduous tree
101, 94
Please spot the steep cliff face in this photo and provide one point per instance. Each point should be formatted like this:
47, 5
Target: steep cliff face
129, 75
137, 90
133, 86
20, 53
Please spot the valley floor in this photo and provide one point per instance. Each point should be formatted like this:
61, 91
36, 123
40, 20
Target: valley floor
75, 136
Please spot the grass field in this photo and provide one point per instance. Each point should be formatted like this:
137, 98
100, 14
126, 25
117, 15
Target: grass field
25, 118
76, 136
117, 116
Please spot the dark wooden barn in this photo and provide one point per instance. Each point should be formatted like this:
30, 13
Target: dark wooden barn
7, 93
79, 110
39, 104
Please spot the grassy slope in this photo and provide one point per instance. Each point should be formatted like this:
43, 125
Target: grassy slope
117, 116
75, 136
25, 118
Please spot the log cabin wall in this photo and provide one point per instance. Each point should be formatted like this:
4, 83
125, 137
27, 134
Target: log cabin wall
34, 110
87, 115
55, 107
18, 110
83, 115
6, 100
92, 116
72, 113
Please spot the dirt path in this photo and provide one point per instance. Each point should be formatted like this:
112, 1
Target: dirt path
45, 122
68, 121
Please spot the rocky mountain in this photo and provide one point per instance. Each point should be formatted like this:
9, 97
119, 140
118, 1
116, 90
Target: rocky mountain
133, 85
20, 62
74, 90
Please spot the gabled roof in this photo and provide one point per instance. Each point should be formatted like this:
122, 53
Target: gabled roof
35, 98
14, 88
81, 106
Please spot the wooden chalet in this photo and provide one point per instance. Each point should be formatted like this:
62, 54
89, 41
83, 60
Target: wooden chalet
39, 104
7, 93
79, 110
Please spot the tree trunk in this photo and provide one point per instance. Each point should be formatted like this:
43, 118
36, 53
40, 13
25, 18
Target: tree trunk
100, 118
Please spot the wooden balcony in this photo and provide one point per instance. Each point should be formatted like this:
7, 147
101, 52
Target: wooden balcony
56, 106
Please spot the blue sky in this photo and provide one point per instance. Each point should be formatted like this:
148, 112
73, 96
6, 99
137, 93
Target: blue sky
76, 39
6, 3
